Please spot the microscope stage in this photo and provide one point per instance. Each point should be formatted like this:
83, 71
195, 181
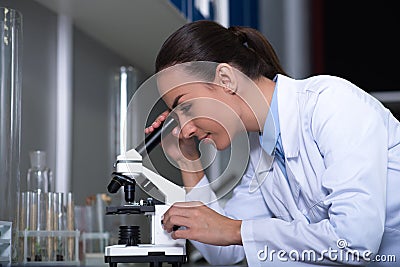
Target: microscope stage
129, 209
144, 250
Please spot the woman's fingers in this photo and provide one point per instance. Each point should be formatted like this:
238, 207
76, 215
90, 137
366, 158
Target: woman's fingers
174, 222
182, 234
201, 224
157, 122
148, 130
179, 214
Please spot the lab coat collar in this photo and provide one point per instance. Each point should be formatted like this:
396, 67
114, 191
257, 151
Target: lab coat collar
288, 109
271, 130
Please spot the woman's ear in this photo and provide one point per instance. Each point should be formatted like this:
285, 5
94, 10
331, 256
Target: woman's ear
225, 77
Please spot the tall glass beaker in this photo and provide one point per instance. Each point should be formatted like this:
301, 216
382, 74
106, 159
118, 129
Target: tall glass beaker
10, 113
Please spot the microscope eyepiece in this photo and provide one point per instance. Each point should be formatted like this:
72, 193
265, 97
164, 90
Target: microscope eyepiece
153, 139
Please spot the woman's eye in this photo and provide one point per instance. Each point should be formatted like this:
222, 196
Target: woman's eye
185, 108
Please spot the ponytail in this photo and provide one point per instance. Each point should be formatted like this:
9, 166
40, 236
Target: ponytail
242, 47
259, 45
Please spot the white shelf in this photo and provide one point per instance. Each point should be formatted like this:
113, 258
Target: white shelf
134, 29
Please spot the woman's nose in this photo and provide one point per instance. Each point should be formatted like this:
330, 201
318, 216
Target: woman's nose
188, 129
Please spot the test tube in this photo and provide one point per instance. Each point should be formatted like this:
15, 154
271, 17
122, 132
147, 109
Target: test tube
36, 224
59, 244
49, 224
22, 224
29, 225
32, 225
70, 226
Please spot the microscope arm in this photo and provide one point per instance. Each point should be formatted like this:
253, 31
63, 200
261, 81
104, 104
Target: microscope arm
130, 164
173, 193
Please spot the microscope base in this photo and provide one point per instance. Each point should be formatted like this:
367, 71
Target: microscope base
153, 254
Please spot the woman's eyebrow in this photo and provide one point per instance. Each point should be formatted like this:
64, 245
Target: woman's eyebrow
176, 101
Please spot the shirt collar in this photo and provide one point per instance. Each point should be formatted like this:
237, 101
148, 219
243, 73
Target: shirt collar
271, 130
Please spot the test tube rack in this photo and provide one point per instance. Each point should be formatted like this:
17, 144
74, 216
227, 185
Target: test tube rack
69, 239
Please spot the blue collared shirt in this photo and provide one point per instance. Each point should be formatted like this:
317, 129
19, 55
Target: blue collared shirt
270, 138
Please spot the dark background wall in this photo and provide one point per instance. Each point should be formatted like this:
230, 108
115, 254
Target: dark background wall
358, 40
361, 42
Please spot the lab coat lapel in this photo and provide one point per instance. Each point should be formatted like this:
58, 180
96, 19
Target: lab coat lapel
275, 189
267, 180
283, 197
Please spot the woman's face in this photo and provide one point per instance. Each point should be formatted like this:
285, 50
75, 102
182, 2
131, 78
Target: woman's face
206, 111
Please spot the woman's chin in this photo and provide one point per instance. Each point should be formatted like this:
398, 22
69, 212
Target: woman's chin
216, 143
222, 146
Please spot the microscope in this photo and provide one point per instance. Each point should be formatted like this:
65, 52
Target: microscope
129, 171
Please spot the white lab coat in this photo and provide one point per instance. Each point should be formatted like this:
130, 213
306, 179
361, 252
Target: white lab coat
342, 150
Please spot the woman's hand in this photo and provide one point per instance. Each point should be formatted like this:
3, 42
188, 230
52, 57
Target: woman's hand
183, 151
202, 224
187, 148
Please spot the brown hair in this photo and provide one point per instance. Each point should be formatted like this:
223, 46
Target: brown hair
243, 47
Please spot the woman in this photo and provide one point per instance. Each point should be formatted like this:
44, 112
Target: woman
329, 167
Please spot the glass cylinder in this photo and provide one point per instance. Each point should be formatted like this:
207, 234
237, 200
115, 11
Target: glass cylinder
10, 115
124, 89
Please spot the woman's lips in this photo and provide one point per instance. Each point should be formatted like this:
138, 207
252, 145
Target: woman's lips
205, 137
